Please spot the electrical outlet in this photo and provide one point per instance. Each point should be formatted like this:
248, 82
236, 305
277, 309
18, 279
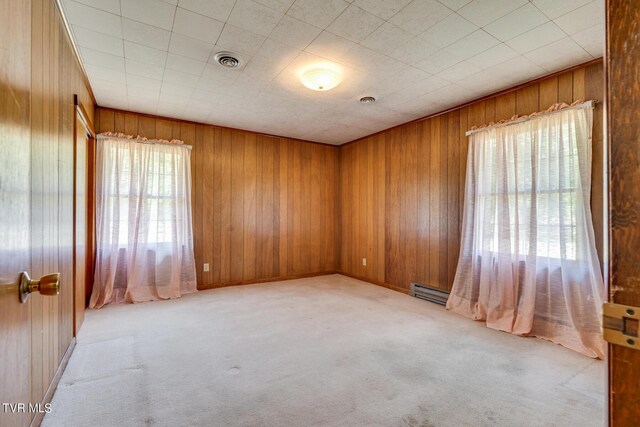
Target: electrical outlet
206, 267
364, 262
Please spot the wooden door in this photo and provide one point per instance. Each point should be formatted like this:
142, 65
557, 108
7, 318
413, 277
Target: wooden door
623, 122
15, 133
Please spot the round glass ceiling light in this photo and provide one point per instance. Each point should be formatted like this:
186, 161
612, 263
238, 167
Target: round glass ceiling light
321, 78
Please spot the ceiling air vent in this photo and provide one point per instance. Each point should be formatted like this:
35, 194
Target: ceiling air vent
227, 59
367, 100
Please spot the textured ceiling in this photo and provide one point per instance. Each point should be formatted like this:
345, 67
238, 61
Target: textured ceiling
416, 57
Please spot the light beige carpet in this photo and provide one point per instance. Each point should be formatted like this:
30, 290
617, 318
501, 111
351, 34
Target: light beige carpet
326, 351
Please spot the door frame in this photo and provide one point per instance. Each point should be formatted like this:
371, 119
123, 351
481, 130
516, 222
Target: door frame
83, 122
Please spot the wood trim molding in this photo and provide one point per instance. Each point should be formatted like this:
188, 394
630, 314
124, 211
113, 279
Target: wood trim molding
375, 282
484, 98
84, 117
269, 280
37, 419
74, 48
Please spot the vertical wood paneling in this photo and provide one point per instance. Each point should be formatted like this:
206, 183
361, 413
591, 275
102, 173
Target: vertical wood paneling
55, 78
422, 170
263, 207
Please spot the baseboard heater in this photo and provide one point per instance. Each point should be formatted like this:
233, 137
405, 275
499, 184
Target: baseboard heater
430, 294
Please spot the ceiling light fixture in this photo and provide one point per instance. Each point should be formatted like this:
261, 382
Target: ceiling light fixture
321, 78
367, 100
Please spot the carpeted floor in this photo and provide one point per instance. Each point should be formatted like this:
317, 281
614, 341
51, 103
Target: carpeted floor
325, 351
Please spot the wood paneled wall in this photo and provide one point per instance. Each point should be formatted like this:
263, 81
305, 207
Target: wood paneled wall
263, 207
401, 190
55, 78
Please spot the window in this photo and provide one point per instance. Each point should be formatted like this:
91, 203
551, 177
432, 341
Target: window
149, 181
533, 196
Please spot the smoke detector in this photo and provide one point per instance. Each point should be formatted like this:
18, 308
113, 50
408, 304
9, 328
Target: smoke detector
367, 100
227, 59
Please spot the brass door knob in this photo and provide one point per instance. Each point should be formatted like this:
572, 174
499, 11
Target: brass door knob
47, 285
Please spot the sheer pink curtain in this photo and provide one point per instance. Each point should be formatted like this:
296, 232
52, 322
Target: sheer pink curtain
528, 263
143, 222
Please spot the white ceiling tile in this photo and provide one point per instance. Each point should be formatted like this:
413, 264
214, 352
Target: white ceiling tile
217, 72
318, 13
515, 71
517, 22
419, 88
460, 71
439, 61
152, 12
216, 9
483, 12
101, 59
591, 40
387, 39
355, 24
538, 37
414, 51
143, 96
455, 4
144, 34
330, 46
406, 63
448, 31
419, 15
555, 8
179, 77
240, 41
493, 56
582, 18
106, 87
279, 52
98, 41
143, 82
254, 17
206, 84
293, 32
410, 76
143, 69
197, 26
262, 69
106, 74
176, 95
93, 19
559, 55
373, 63
111, 6
385, 9
279, 5
184, 64
190, 47
140, 53
473, 44
204, 96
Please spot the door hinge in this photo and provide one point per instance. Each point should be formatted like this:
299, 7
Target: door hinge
620, 324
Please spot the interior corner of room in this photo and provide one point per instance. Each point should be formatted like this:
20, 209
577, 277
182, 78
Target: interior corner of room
368, 212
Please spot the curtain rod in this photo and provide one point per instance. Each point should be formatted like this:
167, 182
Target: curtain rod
143, 141
586, 104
